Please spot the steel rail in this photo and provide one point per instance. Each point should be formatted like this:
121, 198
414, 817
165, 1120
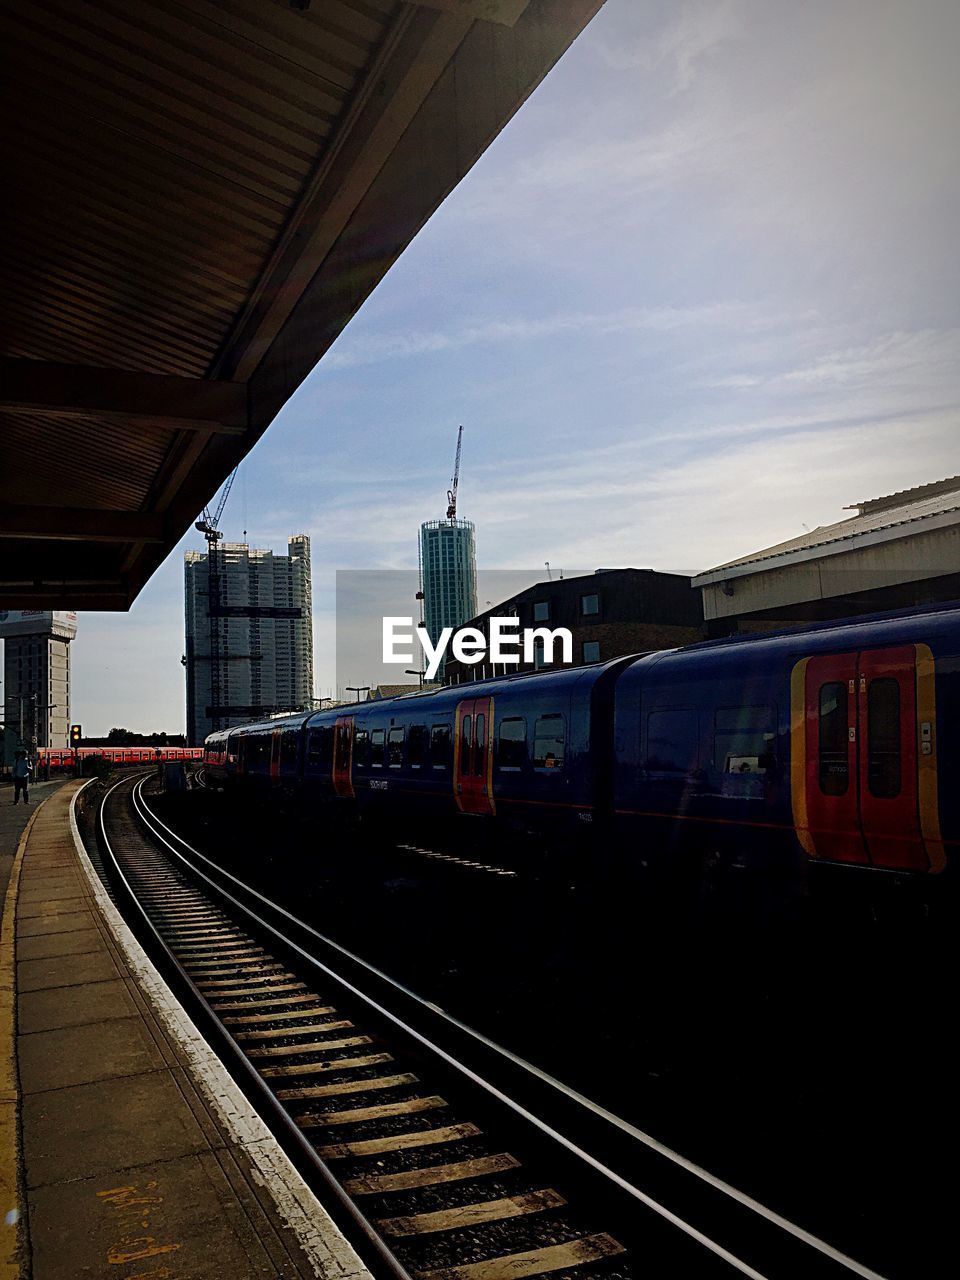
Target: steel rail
802, 1236
307, 1158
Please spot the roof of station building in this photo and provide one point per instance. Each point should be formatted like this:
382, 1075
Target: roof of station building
204, 193
903, 514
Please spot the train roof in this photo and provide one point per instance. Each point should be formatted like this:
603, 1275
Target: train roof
895, 626
292, 721
830, 624
541, 681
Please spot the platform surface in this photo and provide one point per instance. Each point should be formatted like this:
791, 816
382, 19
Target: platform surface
126, 1170
13, 819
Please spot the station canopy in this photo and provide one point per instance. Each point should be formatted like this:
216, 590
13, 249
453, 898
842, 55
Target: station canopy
200, 194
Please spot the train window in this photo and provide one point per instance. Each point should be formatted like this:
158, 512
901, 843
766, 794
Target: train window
548, 742
341, 750
512, 743
480, 743
377, 748
744, 739
834, 739
361, 748
395, 747
673, 741
883, 738
466, 730
320, 747
417, 746
440, 746
289, 742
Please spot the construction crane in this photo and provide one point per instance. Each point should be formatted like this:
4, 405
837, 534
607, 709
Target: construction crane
208, 525
452, 491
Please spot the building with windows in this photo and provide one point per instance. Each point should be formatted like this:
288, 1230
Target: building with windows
36, 676
610, 613
250, 654
448, 574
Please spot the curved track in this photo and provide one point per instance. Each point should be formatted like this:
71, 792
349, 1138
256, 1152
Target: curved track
449, 1157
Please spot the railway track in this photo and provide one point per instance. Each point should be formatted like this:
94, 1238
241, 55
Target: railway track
446, 1157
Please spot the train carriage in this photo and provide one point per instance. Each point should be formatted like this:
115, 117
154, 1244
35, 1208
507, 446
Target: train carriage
531, 755
61, 760
822, 745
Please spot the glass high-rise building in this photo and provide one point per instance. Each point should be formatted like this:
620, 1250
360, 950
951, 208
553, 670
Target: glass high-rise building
448, 569
263, 656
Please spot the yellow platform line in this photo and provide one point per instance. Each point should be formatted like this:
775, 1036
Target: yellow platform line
11, 1191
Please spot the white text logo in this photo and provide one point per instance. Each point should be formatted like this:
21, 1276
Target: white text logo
469, 644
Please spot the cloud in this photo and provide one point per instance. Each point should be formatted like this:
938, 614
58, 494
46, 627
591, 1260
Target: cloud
921, 355
730, 498
678, 49
375, 347
892, 372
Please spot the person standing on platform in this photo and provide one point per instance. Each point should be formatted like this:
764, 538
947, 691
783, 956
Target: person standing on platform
21, 777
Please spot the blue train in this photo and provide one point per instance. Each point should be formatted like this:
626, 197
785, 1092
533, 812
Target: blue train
833, 744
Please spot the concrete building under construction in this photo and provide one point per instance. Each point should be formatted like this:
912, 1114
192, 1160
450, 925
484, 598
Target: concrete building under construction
250, 653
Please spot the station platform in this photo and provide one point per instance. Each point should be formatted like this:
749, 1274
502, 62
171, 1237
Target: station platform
125, 1148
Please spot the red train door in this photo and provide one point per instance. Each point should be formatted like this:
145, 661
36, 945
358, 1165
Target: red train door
343, 757
830, 721
473, 756
886, 690
864, 771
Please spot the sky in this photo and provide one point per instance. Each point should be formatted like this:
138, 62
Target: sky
700, 294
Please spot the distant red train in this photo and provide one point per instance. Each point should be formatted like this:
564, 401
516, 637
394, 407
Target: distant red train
64, 759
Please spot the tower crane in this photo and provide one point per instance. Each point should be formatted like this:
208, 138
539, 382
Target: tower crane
208, 525
452, 491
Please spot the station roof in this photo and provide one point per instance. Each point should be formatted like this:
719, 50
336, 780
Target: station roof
900, 515
205, 193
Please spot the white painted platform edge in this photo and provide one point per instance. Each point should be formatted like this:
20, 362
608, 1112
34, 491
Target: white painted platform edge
327, 1249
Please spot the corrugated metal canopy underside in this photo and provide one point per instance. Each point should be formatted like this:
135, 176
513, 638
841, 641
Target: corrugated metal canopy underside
205, 191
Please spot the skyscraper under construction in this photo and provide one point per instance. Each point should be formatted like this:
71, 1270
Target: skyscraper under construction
448, 564
251, 653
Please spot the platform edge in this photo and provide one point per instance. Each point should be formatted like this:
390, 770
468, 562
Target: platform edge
12, 1196
325, 1247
